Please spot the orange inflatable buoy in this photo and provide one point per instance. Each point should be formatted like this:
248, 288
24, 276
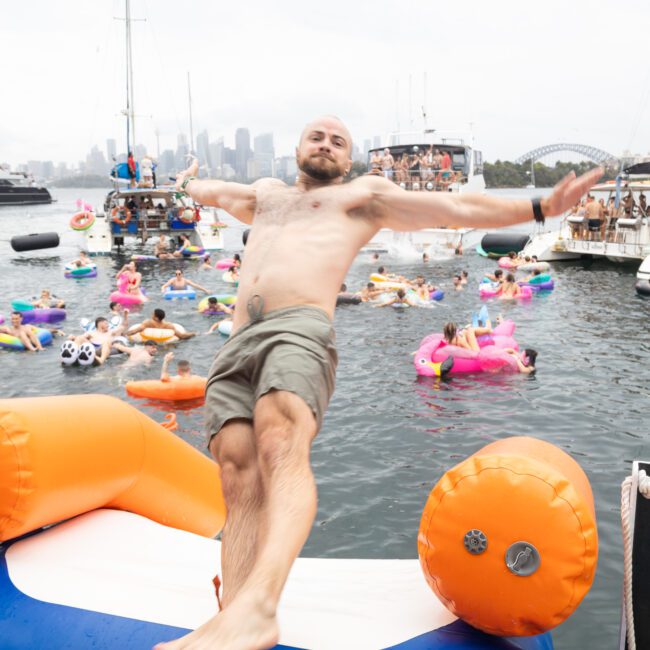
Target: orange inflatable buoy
508, 538
82, 221
66, 455
115, 219
176, 389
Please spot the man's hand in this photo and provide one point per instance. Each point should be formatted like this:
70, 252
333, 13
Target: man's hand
192, 170
568, 192
168, 357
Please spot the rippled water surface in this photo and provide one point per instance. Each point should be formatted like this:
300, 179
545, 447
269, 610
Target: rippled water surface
389, 436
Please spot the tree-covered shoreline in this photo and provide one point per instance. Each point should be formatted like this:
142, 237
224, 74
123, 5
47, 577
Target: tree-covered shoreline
508, 174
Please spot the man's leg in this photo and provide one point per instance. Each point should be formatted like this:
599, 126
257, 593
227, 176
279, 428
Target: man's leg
284, 428
234, 450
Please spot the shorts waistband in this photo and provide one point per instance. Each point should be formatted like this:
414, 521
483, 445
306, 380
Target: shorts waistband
316, 312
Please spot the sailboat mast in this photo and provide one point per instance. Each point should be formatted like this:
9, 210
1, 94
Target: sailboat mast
130, 110
189, 96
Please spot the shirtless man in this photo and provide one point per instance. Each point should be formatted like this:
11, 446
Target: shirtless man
161, 249
302, 241
422, 288
183, 369
375, 160
137, 354
47, 301
370, 292
157, 321
23, 332
399, 299
102, 337
595, 213
179, 282
387, 162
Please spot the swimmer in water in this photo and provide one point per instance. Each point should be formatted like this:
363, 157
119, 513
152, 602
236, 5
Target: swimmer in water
262, 416
157, 321
400, 298
179, 283
183, 369
525, 360
370, 292
497, 276
509, 289
24, 333
48, 301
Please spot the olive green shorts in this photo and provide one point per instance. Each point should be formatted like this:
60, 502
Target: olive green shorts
290, 349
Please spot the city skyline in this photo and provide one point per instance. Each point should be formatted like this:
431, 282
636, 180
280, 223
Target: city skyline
489, 68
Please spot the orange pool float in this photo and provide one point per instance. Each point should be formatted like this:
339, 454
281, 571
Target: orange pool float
64, 456
191, 387
508, 538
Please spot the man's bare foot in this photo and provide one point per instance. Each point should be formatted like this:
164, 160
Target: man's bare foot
186, 335
243, 625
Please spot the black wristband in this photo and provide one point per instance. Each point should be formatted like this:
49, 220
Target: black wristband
537, 210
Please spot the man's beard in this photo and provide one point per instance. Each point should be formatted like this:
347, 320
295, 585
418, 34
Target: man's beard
325, 173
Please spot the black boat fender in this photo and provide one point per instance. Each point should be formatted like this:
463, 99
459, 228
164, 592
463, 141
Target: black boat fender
35, 241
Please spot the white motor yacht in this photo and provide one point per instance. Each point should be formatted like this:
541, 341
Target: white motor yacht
624, 238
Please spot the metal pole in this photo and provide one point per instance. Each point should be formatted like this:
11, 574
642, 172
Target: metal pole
189, 95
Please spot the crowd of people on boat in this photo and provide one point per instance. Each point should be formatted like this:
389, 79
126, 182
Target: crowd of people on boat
417, 169
595, 220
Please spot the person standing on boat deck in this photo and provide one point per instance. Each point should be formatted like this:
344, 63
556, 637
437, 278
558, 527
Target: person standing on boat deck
595, 214
387, 162
271, 381
642, 204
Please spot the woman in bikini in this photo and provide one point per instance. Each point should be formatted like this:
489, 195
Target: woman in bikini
465, 338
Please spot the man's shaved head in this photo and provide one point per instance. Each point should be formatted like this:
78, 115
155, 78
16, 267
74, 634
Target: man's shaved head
323, 152
329, 122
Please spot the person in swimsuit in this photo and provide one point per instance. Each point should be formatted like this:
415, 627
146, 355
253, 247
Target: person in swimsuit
525, 360
161, 249
48, 301
179, 283
133, 279
400, 299
22, 332
465, 338
183, 368
370, 292
157, 321
509, 289
270, 383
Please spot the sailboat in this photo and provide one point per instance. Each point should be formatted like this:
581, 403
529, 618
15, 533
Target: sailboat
137, 207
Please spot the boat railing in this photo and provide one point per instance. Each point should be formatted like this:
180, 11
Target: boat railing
430, 180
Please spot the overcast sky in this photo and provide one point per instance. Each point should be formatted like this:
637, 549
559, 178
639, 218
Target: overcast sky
524, 74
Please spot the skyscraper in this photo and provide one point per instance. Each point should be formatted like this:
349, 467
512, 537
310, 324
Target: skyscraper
242, 151
264, 155
203, 149
111, 150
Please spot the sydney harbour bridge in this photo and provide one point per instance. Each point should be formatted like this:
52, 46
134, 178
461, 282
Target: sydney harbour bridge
592, 153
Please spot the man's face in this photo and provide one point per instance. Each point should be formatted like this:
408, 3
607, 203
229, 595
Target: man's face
151, 349
324, 150
102, 326
16, 320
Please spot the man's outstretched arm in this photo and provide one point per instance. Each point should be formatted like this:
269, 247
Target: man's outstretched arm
402, 210
235, 198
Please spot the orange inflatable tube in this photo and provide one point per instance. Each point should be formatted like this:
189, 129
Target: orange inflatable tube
192, 387
63, 456
508, 537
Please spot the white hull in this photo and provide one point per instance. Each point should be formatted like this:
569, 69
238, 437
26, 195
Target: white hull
628, 245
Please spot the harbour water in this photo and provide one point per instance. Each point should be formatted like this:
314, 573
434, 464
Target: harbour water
389, 436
